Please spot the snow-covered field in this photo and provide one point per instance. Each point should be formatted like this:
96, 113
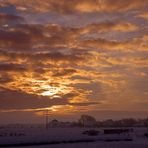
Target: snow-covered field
70, 138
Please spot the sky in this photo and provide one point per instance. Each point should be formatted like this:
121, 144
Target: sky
73, 57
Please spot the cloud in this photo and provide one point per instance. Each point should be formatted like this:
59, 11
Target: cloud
25, 36
103, 44
109, 26
143, 15
84, 103
85, 6
12, 67
14, 39
9, 20
5, 79
77, 55
5, 8
18, 100
64, 72
57, 56
137, 44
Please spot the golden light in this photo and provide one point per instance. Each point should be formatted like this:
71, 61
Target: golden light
54, 91
51, 91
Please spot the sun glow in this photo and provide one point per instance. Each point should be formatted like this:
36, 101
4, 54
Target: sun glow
56, 110
50, 91
54, 91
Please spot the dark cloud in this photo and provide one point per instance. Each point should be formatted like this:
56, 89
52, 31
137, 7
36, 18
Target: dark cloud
84, 103
57, 56
5, 79
8, 9
12, 67
19, 100
20, 37
10, 20
14, 39
25, 37
103, 44
64, 72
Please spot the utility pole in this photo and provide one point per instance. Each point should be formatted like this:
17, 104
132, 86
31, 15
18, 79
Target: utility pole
46, 118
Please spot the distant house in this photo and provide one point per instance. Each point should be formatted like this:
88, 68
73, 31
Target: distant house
87, 121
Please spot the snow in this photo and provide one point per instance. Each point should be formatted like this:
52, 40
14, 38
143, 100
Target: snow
71, 138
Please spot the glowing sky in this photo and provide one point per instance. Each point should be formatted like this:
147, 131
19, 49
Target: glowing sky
73, 57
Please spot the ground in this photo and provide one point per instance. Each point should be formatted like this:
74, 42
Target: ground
39, 137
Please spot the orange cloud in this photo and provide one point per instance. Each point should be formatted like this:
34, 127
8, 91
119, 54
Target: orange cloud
109, 26
98, 60
65, 6
143, 15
